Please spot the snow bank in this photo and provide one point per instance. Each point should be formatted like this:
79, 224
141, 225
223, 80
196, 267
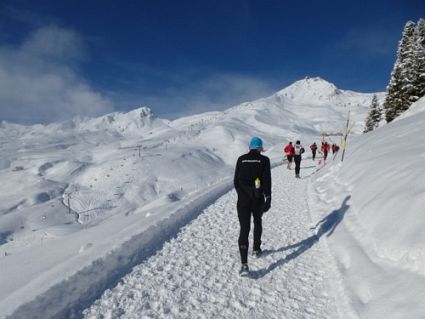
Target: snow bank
387, 173
380, 247
67, 298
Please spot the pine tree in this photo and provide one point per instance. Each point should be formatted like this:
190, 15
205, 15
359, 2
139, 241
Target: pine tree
374, 116
409, 70
392, 97
401, 87
419, 81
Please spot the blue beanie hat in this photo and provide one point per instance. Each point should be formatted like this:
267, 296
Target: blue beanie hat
256, 143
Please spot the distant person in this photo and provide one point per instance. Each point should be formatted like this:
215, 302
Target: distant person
289, 151
253, 184
325, 150
298, 151
313, 148
335, 148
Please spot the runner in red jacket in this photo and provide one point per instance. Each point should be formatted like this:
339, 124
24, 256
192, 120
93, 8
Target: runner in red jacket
289, 151
325, 149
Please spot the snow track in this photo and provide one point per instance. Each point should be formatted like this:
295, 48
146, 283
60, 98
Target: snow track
195, 275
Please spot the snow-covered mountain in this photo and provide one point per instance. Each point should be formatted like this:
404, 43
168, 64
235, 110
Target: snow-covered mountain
132, 179
136, 122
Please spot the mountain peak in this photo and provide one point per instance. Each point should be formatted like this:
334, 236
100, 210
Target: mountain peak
312, 83
310, 89
142, 112
132, 121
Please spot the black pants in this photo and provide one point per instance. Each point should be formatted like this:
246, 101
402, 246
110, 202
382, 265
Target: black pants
246, 207
297, 160
314, 154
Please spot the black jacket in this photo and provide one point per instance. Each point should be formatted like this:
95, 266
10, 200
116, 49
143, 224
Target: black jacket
250, 166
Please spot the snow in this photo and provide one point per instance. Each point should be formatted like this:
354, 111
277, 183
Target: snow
157, 195
379, 247
196, 272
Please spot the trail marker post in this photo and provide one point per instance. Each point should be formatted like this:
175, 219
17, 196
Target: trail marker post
346, 132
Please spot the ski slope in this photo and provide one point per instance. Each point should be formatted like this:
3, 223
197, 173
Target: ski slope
195, 275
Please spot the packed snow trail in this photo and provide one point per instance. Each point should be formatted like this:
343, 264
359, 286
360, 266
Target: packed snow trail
195, 275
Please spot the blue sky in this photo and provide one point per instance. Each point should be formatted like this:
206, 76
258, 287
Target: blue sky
64, 58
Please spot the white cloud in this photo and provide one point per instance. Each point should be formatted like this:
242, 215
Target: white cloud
220, 91
39, 81
192, 91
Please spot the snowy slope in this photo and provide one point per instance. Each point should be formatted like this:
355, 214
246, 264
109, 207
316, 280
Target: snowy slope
131, 180
380, 246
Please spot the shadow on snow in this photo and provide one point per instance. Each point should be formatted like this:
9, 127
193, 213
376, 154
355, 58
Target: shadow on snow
326, 226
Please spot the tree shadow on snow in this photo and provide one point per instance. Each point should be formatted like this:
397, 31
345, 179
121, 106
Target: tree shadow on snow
326, 226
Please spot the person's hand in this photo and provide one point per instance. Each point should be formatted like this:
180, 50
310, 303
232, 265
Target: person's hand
267, 204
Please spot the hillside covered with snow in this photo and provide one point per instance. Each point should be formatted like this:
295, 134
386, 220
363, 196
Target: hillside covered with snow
379, 246
84, 201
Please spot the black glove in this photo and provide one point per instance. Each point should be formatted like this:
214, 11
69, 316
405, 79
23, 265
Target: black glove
267, 204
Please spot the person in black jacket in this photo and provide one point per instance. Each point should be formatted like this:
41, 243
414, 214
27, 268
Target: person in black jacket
298, 151
253, 185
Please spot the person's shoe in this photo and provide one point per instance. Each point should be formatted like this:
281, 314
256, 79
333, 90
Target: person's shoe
256, 253
244, 270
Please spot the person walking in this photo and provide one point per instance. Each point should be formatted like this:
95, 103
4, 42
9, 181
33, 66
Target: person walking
289, 151
298, 150
325, 150
313, 148
253, 185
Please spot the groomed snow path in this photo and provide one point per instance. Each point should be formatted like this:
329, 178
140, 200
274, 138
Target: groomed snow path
195, 275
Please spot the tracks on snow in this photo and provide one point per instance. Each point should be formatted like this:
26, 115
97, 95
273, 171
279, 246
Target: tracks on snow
195, 274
